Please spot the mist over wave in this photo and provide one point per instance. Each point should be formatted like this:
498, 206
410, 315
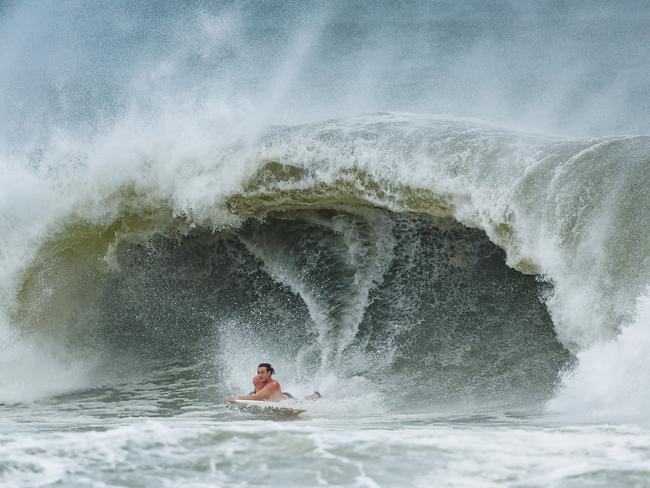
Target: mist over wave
188, 181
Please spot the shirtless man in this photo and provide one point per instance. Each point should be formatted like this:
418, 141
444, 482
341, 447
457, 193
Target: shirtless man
266, 388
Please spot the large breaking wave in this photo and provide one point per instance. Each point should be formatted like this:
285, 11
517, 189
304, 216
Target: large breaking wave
192, 180
439, 258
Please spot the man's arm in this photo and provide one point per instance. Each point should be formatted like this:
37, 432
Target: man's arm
254, 396
264, 394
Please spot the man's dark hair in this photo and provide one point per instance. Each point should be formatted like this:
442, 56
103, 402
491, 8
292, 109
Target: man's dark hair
268, 367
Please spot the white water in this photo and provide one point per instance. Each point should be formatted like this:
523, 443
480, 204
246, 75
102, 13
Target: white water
204, 444
608, 385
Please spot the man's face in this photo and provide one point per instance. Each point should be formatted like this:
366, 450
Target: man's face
263, 375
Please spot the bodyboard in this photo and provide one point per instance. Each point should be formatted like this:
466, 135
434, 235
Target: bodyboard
285, 409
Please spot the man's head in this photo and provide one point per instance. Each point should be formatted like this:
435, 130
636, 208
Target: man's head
264, 372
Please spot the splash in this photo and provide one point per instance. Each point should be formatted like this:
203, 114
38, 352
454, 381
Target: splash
607, 385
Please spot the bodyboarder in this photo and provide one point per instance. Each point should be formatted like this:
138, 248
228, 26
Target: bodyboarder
267, 388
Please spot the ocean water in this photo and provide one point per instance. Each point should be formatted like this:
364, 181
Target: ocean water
412, 208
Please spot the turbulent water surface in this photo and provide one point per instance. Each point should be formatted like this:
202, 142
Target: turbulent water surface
187, 190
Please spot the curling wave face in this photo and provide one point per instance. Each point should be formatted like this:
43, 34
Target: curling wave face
383, 243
